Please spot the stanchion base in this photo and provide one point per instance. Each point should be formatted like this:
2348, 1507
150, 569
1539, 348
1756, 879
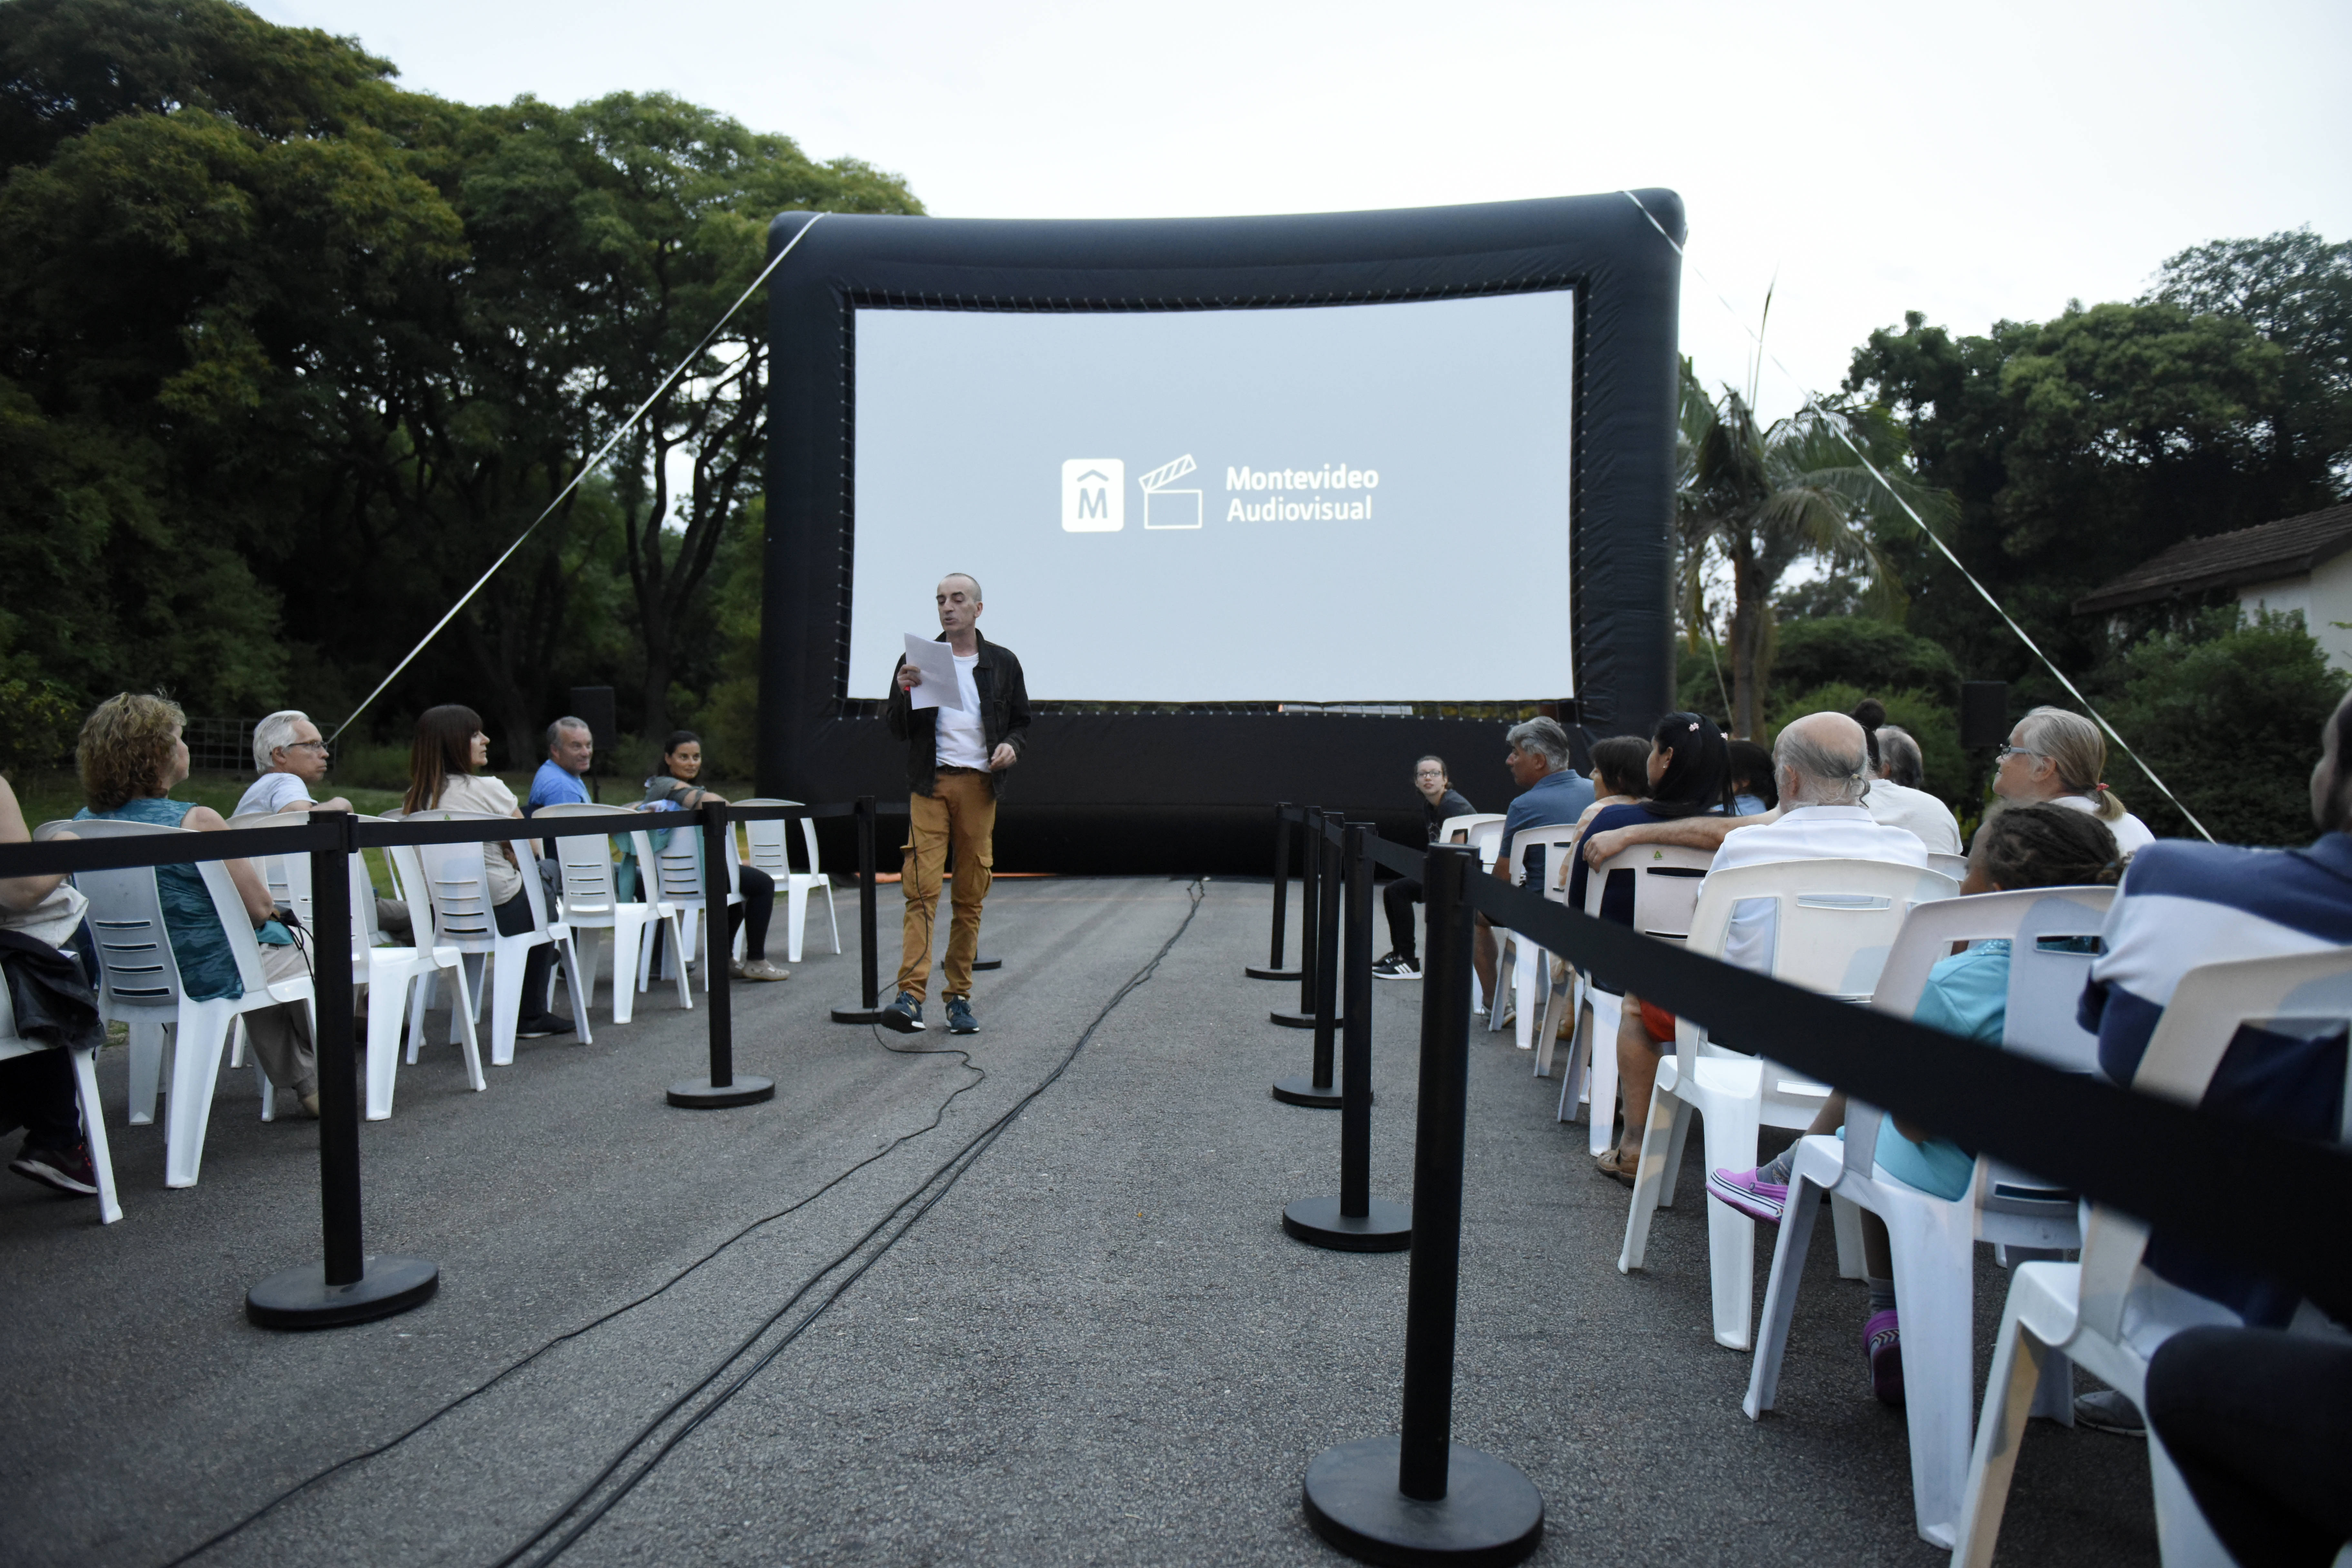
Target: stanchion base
1304, 1092
1318, 1222
856, 1013
300, 1298
699, 1094
1490, 1514
1260, 972
1292, 1018
988, 963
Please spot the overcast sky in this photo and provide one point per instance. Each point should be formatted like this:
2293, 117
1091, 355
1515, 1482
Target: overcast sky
1971, 162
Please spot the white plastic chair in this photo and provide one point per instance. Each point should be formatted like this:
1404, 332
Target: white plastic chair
1466, 826
767, 840
675, 877
1956, 866
93, 1120
463, 918
1933, 1239
141, 987
2107, 1313
392, 975
1835, 921
1666, 882
592, 902
1531, 965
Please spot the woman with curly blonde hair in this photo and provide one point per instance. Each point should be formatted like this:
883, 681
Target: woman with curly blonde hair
131, 757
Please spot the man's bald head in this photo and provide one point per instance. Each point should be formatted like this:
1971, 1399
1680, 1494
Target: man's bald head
1822, 759
971, 584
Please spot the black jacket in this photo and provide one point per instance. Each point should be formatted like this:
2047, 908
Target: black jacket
1003, 715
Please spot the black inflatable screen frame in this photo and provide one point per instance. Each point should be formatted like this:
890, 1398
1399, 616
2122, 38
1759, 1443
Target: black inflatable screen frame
1188, 792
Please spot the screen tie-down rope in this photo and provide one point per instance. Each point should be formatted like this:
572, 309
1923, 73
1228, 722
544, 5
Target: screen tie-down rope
583, 472
1837, 423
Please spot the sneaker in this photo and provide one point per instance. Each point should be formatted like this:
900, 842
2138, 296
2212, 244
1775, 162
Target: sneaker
1397, 966
546, 1023
959, 1018
759, 969
2108, 1411
1881, 1346
904, 1014
66, 1167
1747, 1191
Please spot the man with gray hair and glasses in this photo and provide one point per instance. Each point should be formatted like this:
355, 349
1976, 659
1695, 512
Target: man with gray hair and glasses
292, 759
1552, 795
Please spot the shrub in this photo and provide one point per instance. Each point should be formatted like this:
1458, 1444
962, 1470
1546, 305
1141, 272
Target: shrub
1877, 656
1950, 778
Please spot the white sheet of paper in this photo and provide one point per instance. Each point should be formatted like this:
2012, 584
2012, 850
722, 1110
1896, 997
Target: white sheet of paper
939, 687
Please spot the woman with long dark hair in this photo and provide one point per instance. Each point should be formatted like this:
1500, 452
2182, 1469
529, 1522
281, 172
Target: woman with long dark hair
1689, 776
446, 764
674, 783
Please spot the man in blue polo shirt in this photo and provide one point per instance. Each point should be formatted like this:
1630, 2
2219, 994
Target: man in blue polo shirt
2182, 904
569, 748
1552, 795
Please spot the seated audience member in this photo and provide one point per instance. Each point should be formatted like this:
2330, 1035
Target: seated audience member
443, 774
2184, 903
1688, 773
131, 757
2056, 755
571, 748
2042, 846
1440, 803
1621, 776
38, 918
292, 759
2259, 1424
674, 786
1895, 797
1752, 794
1819, 763
1552, 795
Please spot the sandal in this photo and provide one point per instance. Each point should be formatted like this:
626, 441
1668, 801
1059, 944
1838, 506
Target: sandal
1612, 1164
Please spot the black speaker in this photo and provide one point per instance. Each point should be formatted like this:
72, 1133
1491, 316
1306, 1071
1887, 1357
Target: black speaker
1984, 714
593, 705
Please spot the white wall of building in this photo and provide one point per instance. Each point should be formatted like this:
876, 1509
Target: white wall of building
2323, 598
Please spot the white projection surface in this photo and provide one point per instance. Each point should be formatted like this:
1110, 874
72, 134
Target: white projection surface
1351, 503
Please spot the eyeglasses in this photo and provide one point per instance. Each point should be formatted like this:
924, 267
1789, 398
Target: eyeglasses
318, 746
2008, 752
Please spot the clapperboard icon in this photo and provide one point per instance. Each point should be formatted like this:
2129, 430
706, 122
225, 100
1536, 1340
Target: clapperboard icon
1164, 508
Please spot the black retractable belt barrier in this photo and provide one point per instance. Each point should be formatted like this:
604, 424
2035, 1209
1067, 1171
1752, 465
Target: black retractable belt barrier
1316, 909
721, 1088
869, 1008
1324, 858
1274, 968
346, 1286
1355, 1221
1419, 1497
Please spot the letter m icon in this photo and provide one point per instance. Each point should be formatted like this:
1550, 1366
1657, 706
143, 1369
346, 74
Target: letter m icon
1093, 495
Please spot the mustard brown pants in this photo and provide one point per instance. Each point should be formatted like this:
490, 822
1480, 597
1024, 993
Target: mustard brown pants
960, 810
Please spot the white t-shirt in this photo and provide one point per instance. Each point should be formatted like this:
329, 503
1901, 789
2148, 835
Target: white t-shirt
1899, 806
963, 744
2131, 833
272, 793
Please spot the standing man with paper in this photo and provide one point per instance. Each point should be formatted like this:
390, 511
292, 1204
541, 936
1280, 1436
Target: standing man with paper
959, 702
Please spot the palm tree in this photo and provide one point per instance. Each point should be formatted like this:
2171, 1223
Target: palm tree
1758, 501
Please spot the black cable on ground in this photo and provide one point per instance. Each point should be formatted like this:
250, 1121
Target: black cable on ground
977, 1145
952, 1169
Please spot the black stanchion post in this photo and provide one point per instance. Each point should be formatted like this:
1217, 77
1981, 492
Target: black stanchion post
1419, 1497
346, 1286
1315, 911
1355, 1221
869, 961
1323, 859
723, 1087
1273, 968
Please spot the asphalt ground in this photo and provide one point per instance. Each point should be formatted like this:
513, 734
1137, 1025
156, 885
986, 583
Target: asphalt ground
1095, 1346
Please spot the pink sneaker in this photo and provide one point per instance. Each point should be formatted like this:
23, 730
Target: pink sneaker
1741, 1189
1882, 1342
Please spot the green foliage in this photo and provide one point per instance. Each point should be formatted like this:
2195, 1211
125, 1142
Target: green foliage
2229, 713
1949, 778
288, 356
1873, 654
